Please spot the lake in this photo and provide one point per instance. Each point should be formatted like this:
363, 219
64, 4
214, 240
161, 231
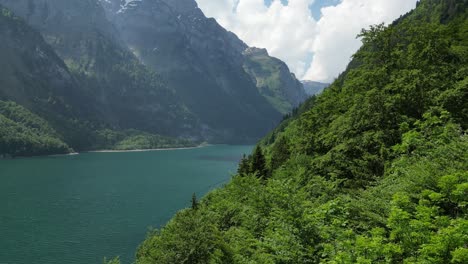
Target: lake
82, 208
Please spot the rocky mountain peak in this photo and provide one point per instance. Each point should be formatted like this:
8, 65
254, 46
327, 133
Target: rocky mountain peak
183, 6
119, 6
254, 51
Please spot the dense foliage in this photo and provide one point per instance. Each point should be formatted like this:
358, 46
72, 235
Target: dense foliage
24, 133
374, 170
134, 139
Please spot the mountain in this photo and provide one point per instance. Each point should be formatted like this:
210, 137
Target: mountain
207, 66
36, 78
314, 88
82, 105
373, 170
124, 93
274, 80
24, 133
159, 67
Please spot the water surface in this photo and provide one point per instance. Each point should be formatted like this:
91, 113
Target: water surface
78, 209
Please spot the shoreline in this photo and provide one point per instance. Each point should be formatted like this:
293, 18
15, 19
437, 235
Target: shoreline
141, 150
110, 151
105, 151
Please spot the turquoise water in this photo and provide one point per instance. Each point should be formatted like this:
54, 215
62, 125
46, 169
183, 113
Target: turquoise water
79, 209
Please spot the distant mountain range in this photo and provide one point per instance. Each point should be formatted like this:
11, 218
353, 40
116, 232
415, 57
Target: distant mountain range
100, 72
314, 88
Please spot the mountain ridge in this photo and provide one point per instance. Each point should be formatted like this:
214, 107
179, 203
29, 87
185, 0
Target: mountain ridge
206, 95
177, 40
313, 87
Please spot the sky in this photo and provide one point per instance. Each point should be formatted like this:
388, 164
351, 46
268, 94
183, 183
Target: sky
316, 38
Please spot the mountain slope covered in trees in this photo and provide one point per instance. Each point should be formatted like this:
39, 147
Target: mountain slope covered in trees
160, 69
205, 63
374, 170
34, 77
24, 133
274, 80
48, 108
121, 91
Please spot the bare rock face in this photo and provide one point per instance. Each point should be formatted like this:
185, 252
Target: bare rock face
254, 51
65, 25
173, 30
200, 59
124, 93
161, 66
32, 73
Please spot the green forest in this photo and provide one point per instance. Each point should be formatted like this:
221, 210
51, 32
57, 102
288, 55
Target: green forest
373, 170
27, 134
24, 133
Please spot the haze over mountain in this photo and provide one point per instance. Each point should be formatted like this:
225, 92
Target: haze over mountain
116, 90
274, 80
144, 68
203, 62
313, 88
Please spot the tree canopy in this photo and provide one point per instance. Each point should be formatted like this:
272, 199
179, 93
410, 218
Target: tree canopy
373, 170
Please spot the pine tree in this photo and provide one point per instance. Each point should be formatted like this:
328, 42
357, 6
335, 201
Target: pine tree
244, 165
194, 202
259, 163
279, 153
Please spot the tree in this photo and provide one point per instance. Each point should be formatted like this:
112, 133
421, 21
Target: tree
259, 163
194, 202
279, 153
244, 165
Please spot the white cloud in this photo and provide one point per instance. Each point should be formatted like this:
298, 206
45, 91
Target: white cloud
286, 31
290, 33
337, 30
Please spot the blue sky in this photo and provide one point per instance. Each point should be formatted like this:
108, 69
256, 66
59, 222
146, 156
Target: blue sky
315, 7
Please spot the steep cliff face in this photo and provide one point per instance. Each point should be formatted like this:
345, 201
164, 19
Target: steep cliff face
201, 60
32, 73
158, 66
274, 80
69, 26
124, 93
35, 77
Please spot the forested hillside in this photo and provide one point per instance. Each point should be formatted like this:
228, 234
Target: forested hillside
24, 133
120, 91
373, 170
100, 71
34, 77
46, 108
